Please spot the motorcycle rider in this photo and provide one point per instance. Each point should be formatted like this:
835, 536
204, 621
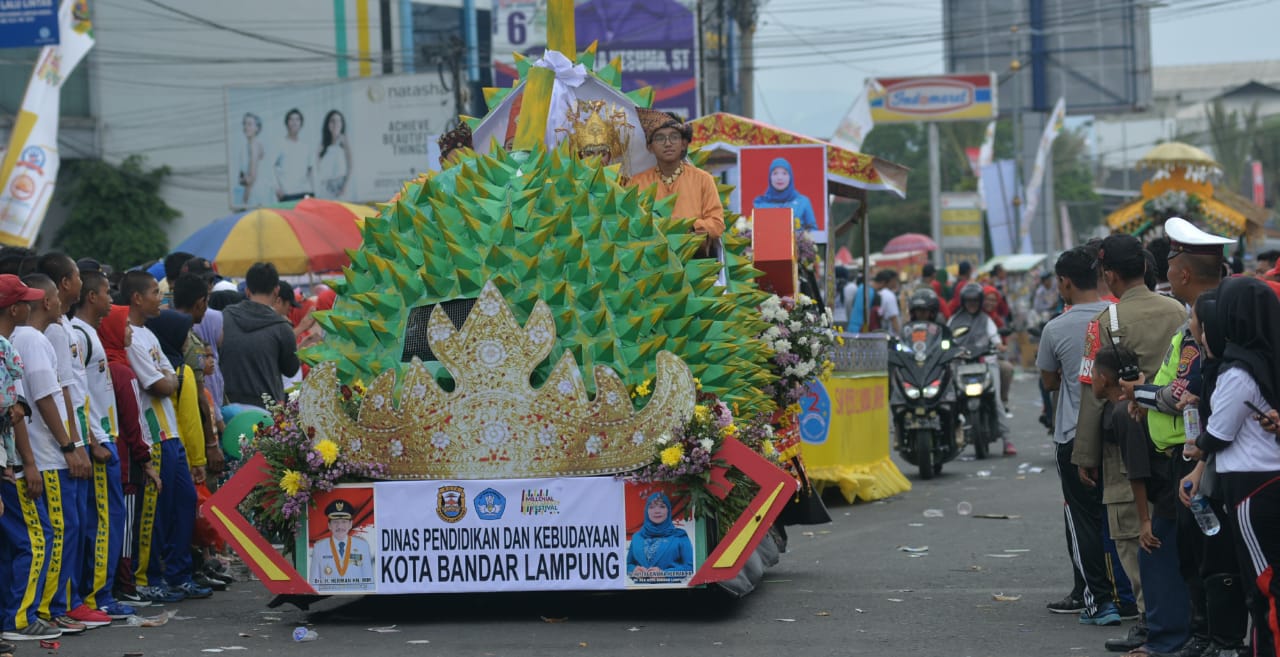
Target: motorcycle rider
925, 306
982, 335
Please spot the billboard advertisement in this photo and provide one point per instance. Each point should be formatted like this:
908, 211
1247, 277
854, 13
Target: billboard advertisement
933, 98
350, 140
30, 23
961, 227
656, 40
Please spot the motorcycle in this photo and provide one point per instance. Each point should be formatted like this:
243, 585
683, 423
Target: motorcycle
977, 393
922, 396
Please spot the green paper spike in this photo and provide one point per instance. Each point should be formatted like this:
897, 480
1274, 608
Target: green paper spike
642, 97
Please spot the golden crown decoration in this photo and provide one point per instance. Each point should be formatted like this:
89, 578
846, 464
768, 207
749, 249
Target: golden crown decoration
495, 424
597, 131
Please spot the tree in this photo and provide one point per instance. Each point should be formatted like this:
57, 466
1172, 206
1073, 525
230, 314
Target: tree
117, 214
1073, 182
1231, 135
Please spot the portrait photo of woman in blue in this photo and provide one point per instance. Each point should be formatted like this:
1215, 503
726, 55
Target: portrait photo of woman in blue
782, 193
660, 552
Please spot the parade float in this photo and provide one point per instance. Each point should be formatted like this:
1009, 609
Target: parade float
531, 383
1181, 185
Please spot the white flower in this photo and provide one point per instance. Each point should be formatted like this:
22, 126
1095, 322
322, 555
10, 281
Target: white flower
495, 434
397, 448
803, 299
489, 305
809, 317
545, 437
795, 325
771, 333
611, 398
440, 440
379, 401
539, 334
637, 438
782, 346
706, 444
491, 353
664, 439
565, 386
767, 428
593, 445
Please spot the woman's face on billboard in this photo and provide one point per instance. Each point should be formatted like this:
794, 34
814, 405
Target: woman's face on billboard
780, 179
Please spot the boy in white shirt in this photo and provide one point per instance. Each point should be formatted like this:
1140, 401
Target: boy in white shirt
105, 521
58, 456
165, 566
25, 528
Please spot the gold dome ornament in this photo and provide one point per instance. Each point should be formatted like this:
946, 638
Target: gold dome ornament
597, 131
495, 425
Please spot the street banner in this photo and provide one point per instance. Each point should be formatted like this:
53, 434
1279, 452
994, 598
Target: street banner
576, 533
353, 140
1035, 184
787, 177
986, 153
656, 40
961, 223
30, 166
934, 98
1000, 186
857, 122
28, 23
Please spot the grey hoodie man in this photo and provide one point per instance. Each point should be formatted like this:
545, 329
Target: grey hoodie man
258, 346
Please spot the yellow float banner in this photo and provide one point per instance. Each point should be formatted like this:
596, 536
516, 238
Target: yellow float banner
850, 449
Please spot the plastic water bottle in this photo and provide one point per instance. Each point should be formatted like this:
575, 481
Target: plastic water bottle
1205, 517
304, 634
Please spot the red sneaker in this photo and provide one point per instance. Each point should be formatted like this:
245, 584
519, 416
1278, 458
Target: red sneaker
90, 618
1009, 449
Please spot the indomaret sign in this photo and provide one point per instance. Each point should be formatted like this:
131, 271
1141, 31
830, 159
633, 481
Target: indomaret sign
933, 98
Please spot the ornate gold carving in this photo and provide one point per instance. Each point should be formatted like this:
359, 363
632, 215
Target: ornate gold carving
597, 131
495, 425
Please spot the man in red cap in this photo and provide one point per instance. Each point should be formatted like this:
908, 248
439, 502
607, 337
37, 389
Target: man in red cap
24, 497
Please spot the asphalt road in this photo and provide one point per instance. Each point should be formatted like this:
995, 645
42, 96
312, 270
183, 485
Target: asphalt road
843, 589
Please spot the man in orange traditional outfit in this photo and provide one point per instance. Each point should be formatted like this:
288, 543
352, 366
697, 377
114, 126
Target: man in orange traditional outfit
667, 137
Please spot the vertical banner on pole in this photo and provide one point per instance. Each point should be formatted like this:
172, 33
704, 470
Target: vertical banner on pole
1000, 187
30, 166
1035, 184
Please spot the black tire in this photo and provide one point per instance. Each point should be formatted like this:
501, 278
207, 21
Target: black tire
993, 425
981, 444
924, 454
937, 468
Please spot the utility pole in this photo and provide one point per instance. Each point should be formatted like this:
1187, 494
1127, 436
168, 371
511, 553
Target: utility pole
745, 14
1016, 67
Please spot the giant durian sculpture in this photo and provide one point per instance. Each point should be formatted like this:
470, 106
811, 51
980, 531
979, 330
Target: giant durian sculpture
619, 279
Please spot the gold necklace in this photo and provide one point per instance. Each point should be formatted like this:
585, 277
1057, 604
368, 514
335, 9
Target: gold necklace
671, 179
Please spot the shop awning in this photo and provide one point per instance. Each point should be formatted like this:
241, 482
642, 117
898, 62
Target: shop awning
725, 134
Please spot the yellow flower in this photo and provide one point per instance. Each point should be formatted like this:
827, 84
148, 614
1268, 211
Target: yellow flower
767, 447
827, 368
839, 340
697, 383
358, 387
291, 482
671, 456
701, 413
328, 451
729, 431
642, 390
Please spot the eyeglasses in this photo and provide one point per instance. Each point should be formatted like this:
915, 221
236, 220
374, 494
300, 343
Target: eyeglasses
667, 139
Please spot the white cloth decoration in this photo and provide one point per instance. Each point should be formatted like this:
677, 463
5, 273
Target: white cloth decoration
569, 76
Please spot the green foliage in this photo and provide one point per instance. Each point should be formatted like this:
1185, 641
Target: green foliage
1073, 182
117, 214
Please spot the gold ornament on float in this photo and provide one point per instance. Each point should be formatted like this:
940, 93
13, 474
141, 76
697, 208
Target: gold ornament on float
495, 425
597, 131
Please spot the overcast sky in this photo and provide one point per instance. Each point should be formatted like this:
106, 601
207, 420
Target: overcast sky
813, 54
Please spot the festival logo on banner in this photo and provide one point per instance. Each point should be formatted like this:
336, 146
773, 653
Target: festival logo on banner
341, 560
815, 414
787, 177
655, 39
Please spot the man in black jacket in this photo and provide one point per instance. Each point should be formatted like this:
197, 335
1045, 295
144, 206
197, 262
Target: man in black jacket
258, 346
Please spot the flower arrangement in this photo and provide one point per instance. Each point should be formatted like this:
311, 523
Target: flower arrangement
300, 467
806, 249
801, 337
685, 458
1174, 203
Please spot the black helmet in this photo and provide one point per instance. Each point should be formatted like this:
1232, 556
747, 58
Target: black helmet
924, 299
971, 292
